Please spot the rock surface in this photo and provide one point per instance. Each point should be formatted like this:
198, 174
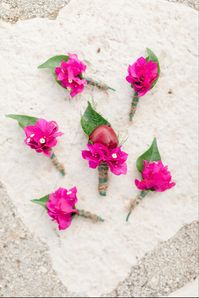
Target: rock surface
112, 249
25, 266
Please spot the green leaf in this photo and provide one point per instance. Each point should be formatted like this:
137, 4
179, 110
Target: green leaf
42, 201
152, 154
23, 120
54, 62
153, 57
91, 120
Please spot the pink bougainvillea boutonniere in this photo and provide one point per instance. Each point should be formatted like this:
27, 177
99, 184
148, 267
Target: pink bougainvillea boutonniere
40, 135
69, 71
155, 176
104, 151
142, 75
61, 207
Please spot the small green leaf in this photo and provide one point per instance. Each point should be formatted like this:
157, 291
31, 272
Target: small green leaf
42, 201
152, 154
153, 57
23, 120
91, 120
54, 62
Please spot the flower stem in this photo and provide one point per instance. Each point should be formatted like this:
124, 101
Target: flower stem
135, 202
103, 178
134, 104
89, 215
57, 164
99, 85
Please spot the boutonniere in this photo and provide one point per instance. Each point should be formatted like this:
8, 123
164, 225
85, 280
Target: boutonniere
40, 135
61, 207
155, 176
104, 151
142, 75
68, 72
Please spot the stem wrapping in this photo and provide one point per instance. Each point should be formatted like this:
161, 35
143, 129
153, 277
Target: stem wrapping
103, 178
57, 164
89, 215
135, 202
99, 85
134, 104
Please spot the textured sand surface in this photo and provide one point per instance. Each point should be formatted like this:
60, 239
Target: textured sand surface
168, 267
101, 255
25, 266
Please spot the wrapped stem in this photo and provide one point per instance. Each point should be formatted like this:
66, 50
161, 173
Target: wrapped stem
103, 178
89, 215
99, 85
134, 104
135, 202
57, 164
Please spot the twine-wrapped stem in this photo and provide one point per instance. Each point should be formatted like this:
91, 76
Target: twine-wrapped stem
103, 178
135, 202
134, 104
89, 215
57, 164
99, 85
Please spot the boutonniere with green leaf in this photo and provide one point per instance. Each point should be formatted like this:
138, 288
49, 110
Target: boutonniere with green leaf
41, 135
61, 207
104, 151
154, 175
142, 75
68, 72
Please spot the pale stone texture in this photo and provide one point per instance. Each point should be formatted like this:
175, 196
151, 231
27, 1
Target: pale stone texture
190, 290
101, 255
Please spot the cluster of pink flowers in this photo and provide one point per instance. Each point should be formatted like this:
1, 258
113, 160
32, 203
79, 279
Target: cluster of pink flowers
69, 73
115, 158
42, 136
61, 206
142, 74
155, 176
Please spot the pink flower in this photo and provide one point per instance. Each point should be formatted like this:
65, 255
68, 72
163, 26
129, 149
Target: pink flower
117, 161
69, 73
61, 206
95, 155
155, 177
42, 136
115, 158
142, 74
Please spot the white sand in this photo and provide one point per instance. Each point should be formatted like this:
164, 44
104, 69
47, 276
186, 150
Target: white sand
90, 258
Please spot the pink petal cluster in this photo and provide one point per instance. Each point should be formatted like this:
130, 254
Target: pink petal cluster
69, 73
61, 206
42, 136
114, 158
155, 176
142, 74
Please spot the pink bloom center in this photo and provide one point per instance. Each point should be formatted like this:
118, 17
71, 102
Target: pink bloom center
142, 74
155, 176
70, 74
114, 158
61, 206
42, 136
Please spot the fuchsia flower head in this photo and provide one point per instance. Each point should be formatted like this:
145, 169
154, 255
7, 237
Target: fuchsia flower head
142, 74
69, 73
114, 158
155, 176
42, 136
61, 206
